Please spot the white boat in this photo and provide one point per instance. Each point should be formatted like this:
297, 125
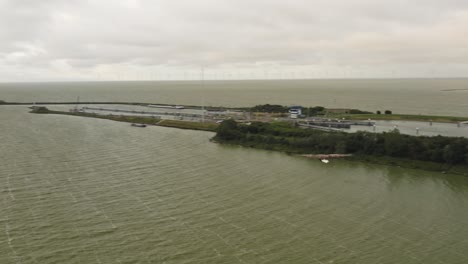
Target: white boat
324, 161
138, 125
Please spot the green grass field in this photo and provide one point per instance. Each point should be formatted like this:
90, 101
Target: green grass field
188, 125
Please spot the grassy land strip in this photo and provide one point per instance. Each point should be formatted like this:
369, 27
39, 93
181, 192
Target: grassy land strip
422, 118
188, 125
136, 119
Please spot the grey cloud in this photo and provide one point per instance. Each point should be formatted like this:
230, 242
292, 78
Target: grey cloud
88, 35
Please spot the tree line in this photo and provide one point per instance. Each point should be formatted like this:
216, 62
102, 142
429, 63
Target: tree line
287, 137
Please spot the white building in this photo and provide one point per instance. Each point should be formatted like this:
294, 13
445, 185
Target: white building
295, 111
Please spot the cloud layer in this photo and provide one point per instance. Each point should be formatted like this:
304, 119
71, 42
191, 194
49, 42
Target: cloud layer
153, 39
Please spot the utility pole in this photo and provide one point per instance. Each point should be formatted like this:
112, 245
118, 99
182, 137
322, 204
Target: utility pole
203, 88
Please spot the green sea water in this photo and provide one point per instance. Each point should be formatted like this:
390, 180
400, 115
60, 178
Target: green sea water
79, 190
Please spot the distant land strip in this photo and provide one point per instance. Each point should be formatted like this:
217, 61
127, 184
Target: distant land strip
454, 90
360, 115
112, 103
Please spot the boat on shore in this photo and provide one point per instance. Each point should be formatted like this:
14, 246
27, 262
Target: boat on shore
138, 125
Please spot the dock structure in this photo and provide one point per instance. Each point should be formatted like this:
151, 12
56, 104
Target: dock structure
329, 124
324, 128
335, 123
360, 123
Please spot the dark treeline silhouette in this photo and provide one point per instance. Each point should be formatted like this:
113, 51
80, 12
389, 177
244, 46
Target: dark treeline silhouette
287, 137
268, 108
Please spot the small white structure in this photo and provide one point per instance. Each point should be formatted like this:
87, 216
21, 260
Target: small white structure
295, 111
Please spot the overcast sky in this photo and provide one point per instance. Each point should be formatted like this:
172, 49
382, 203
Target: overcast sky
53, 40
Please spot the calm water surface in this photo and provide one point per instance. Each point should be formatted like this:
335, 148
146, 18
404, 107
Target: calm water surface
77, 190
416, 96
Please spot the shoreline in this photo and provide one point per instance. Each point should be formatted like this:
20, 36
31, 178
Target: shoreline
380, 117
326, 156
212, 127
460, 170
429, 153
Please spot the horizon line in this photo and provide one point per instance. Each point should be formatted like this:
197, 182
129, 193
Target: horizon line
229, 80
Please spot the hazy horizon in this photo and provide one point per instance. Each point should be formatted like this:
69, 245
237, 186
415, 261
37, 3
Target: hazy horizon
239, 80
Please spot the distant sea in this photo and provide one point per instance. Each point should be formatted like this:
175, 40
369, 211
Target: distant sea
413, 96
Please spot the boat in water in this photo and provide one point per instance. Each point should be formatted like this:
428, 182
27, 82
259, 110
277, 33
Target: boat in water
138, 125
325, 161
